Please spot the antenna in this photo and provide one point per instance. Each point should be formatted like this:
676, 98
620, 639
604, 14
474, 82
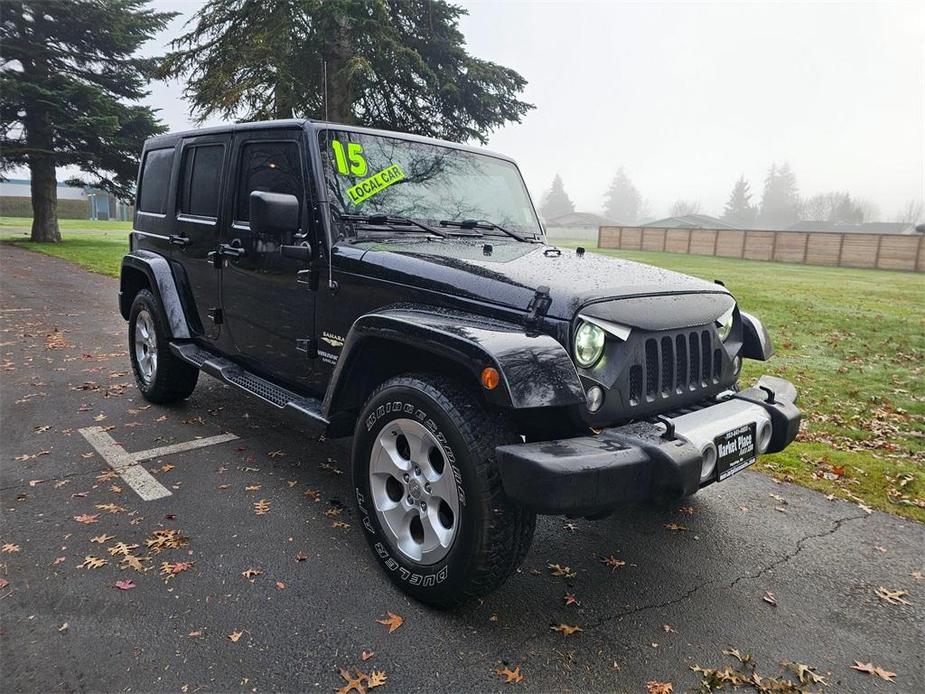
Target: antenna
332, 285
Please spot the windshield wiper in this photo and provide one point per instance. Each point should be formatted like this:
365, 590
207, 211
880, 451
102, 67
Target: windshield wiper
397, 223
482, 224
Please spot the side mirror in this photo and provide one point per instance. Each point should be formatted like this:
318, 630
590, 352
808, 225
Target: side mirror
273, 214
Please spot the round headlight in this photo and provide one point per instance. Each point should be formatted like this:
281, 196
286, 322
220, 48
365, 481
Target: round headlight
724, 324
589, 345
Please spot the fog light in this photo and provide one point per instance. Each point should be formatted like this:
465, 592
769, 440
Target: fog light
594, 398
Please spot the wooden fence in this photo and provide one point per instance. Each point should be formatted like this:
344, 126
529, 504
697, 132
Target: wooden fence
881, 251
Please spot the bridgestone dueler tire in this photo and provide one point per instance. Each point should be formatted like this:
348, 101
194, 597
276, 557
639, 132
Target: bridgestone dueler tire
174, 379
494, 534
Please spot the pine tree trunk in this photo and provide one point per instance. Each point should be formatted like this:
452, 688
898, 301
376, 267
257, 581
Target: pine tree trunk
340, 91
44, 199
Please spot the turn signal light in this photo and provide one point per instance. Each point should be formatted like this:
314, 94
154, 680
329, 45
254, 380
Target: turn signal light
490, 378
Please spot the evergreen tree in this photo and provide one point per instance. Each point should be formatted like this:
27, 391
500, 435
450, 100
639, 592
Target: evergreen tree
556, 201
739, 210
622, 200
780, 201
69, 77
382, 63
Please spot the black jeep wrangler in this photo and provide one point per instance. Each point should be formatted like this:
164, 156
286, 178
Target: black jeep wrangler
401, 290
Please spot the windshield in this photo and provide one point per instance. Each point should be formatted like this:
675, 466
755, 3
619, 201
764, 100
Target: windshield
376, 175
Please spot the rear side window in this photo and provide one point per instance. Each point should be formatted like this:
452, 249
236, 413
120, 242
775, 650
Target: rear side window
200, 180
272, 167
155, 181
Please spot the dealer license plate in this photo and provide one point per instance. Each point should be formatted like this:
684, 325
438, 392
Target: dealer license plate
735, 450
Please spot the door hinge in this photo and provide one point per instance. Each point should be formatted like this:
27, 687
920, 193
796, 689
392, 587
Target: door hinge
308, 345
216, 315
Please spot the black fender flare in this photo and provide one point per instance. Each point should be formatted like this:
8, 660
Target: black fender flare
157, 270
536, 371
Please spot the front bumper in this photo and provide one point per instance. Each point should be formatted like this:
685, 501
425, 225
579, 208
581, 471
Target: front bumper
593, 474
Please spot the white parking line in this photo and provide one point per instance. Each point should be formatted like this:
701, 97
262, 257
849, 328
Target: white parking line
127, 464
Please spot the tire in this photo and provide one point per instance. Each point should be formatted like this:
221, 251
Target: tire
161, 377
481, 536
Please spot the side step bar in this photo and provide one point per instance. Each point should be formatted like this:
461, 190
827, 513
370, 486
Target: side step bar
227, 371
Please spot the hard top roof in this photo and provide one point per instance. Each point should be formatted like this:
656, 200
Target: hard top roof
168, 139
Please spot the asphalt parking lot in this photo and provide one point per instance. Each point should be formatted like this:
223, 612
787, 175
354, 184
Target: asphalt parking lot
247, 570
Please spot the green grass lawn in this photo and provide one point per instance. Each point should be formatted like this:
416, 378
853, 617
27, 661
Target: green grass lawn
25, 223
96, 251
853, 341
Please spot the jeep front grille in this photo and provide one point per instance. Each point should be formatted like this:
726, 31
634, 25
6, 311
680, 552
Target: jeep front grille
673, 366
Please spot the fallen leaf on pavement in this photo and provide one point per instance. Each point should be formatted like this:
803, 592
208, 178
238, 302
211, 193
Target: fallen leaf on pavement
127, 584
4, 583
668, 629
58, 560
376, 679
559, 570
10, 548
675, 526
805, 674
354, 682
570, 599
276, 454
510, 676
393, 621
63, 627
235, 636
91, 562
253, 488
313, 494
262, 507
301, 556
340, 524
169, 570
894, 597
612, 562
121, 549
292, 483
566, 629
165, 538
769, 598
251, 573
875, 670
656, 687
87, 518
280, 585
133, 562
366, 655
102, 539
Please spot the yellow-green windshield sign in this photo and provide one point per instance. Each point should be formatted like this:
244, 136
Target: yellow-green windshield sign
376, 183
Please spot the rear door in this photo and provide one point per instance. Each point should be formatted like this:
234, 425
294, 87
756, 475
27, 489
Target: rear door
267, 301
200, 208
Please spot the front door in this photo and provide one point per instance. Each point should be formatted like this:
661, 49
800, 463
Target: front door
199, 209
268, 306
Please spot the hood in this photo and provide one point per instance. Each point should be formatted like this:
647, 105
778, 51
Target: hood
510, 274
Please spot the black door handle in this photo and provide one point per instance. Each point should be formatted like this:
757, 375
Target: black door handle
179, 240
231, 250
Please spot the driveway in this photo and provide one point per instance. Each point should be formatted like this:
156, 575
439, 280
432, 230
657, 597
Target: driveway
251, 573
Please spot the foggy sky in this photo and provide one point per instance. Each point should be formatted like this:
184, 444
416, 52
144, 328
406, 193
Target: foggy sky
689, 96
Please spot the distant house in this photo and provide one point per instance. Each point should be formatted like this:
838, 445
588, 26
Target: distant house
690, 221
865, 228
576, 226
74, 202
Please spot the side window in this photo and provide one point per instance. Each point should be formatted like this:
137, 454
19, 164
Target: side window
272, 167
155, 180
200, 179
